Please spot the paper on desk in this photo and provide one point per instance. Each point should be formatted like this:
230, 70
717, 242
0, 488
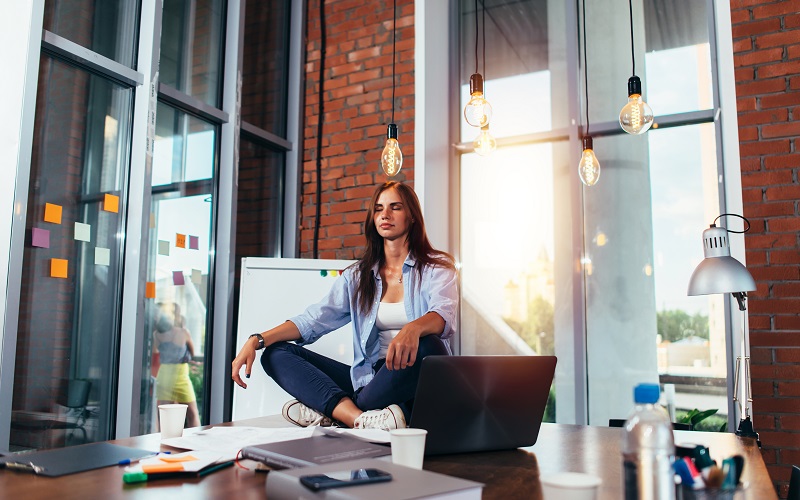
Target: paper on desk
227, 441
369, 435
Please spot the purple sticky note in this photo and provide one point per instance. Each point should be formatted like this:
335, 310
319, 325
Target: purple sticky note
194, 242
40, 238
177, 278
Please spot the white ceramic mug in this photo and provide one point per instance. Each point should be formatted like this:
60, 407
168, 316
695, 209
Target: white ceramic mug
408, 446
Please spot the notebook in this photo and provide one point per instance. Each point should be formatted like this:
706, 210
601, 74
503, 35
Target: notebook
481, 403
315, 450
406, 483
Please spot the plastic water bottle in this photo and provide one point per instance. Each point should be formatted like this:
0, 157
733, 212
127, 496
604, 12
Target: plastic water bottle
648, 449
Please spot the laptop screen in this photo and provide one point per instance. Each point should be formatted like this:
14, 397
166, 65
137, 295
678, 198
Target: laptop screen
481, 403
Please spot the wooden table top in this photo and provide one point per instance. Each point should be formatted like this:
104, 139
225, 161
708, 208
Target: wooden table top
506, 474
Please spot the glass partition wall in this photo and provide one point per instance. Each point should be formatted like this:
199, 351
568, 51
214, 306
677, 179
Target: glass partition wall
595, 275
124, 294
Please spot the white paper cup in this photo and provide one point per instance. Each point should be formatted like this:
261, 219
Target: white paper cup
570, 486
172, 417
408, 446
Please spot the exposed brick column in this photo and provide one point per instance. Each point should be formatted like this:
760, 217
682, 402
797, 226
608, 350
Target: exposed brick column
766, 43
357, 107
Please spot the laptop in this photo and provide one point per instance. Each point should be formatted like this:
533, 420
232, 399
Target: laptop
481, 403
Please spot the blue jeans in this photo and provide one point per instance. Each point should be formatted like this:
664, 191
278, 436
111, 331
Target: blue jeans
321, 383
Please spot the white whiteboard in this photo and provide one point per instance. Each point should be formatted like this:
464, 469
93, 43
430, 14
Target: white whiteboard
272, 291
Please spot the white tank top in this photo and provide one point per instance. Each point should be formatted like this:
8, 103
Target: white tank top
391, 318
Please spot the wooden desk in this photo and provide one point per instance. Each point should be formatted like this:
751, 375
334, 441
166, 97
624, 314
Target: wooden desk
507, 474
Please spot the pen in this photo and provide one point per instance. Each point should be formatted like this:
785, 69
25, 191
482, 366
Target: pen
128, 461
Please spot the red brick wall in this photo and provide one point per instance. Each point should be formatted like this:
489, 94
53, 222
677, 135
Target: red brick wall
357, 86
766, 43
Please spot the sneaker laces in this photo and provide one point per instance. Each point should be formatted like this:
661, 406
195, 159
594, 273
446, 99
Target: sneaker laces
310, 416
376, 419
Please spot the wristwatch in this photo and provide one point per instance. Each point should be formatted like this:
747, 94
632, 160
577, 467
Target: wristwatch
260, 341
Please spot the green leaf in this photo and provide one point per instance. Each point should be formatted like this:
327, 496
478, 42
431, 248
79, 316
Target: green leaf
700, 416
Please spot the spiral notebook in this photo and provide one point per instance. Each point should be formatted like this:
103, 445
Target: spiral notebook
62, 461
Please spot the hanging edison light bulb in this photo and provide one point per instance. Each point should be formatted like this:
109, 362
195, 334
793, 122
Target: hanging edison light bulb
391, 157
636, 117
485, 143
589, 167
478, 111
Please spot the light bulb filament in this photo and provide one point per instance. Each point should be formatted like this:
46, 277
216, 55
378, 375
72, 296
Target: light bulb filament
636, 113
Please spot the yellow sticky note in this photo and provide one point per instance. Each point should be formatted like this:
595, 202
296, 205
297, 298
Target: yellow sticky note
180, 240
52, 213
111, 203
152, 221
150, 290
58, 268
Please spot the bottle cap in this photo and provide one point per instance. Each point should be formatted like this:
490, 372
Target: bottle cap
646, 393
701, 457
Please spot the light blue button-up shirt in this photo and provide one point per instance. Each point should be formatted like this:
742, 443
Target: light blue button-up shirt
436, 291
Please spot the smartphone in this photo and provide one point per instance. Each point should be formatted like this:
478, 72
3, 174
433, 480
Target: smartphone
343, 478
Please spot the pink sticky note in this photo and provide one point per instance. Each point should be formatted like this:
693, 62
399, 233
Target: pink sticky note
40, 238
177, 278
194, 242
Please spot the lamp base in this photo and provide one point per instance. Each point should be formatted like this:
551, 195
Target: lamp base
746, 430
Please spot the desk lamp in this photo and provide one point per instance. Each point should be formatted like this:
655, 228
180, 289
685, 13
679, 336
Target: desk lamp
718, 272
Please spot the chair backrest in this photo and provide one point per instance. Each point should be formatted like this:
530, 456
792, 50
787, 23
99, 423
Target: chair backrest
620, 422
78, 393
794, 484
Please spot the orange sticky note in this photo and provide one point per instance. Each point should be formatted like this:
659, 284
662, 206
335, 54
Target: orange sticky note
180, 240
52, 213
157, 468
111, 203
58, 268
185, 458
150, 290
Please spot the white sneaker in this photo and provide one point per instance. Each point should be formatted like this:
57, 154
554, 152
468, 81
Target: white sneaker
387, 419
299, 414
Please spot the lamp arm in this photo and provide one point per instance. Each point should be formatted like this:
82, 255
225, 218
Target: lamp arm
741, 297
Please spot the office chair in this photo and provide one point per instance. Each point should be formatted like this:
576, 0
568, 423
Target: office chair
794, 484
75, 401
620, 422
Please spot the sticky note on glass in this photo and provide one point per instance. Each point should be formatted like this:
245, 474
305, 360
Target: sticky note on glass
197, 276
111, 203
194, 242
150, 290
152, 221
40, 238
52, 213
180, 240
163, 247
58, 268
102, 256
83, 232
177, 278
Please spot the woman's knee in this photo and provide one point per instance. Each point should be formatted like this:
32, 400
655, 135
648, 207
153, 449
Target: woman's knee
273, 354
431, 345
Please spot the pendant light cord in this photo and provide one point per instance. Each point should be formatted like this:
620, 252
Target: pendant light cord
633, 58
394, 48
321, 115
483, 37
585, 70
476, 36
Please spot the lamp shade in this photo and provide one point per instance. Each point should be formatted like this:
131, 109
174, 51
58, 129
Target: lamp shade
719, 272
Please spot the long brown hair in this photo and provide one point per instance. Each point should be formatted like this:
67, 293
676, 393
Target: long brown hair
418, 245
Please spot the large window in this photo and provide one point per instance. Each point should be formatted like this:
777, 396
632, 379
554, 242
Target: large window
595, 275
65, 372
